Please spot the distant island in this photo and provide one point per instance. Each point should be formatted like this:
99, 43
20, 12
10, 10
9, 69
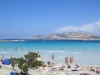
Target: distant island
67, 36
63, 36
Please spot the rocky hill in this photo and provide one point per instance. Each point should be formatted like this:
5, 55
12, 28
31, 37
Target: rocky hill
68, 36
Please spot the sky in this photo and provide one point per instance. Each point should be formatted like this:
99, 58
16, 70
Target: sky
28, 18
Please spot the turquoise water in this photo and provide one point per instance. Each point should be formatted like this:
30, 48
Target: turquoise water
84, 52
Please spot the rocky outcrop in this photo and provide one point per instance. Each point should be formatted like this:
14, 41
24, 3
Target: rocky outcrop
68, 35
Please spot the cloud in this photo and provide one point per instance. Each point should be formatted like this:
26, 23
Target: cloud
92, 28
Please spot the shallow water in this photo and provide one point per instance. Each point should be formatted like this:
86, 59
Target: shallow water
84, 52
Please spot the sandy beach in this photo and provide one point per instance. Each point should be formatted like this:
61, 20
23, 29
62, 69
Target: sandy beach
54, 70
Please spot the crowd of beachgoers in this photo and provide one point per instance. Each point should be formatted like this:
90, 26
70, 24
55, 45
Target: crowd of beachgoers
50, 68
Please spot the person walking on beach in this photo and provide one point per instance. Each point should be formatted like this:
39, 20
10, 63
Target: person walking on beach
13, 65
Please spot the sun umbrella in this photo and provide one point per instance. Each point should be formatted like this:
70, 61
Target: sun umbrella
41, 59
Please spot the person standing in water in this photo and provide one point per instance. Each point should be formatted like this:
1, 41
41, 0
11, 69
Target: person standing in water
52, 56
72, 59
66, 60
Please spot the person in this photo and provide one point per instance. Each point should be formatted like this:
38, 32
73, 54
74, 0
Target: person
62, 49
68, 66
66, 60
13, 65
72, 59
38, 52
29, 50
49, 64
52, 56
71, 49
43, 65
97, 70
77, 66
91, 69
1, 60
62, 67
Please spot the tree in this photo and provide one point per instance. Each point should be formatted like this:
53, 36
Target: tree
25, 68
21, 62
31, 59
28, 61
13, 60
35, 64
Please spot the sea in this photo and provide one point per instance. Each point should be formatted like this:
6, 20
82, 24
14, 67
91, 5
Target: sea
85, 52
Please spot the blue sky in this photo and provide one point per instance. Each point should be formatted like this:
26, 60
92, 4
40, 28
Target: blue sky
27, 18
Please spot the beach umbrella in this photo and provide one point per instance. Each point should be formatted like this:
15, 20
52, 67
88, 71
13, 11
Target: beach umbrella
41, 59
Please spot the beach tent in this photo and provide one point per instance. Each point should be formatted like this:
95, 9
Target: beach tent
6, 62
12, 73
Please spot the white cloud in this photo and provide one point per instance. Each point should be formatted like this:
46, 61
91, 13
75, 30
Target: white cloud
92, 28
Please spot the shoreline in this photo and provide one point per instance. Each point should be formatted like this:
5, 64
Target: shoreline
6, 69
72, 39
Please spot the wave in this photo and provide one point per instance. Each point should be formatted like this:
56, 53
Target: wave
17, 40
5, 52
55, 51
76, 52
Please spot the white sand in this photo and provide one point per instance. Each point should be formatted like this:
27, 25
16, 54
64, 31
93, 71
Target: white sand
6, 69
